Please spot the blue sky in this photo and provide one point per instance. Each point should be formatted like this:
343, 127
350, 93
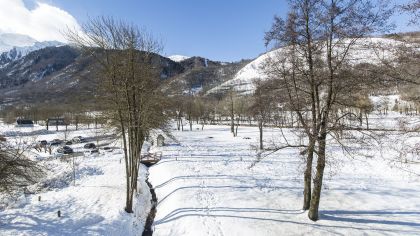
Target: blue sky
226, 30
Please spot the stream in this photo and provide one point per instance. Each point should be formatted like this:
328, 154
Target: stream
148, 230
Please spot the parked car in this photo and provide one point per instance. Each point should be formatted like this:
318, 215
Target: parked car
91, 151
69, 143
65, 150
90, 146
43, 142
94, 151
79, 139
56, 142
76, 139
108, 149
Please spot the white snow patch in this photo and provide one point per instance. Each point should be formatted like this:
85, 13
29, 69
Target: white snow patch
178, 58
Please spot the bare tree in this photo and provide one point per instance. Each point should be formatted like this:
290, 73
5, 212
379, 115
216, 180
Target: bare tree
128, 86
262, 107
16, 169
178, 108
228, 105
315, 68
413, 8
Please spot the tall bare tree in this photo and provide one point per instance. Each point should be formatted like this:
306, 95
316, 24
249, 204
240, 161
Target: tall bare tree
262, 107
315, 68
128, 85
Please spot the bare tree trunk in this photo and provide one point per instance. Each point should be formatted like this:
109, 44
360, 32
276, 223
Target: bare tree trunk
178, 123
77, 122
307, 179
182, 125
260, 127
316, 194
367, 121
190, 121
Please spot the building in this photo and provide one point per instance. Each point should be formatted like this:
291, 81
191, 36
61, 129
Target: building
24, 122
56, 122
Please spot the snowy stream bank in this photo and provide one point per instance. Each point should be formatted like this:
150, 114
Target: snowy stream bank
148, 227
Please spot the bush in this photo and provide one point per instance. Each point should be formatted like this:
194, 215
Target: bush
16, 170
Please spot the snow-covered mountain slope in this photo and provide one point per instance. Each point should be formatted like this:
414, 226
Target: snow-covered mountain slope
363, 51
9, 41
178, 58
15, 46
19, 52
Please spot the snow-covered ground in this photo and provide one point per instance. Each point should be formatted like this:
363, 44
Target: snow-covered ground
94, 206
208, 183
205, 185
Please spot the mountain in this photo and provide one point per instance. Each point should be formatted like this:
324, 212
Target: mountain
8, 41
200, 75
15, 46
62, 74
361, 52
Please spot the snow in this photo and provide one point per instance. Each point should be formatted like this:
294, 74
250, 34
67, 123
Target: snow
361, 52
19, 52
94, 206
209, 183
9, 40
16, 46
206, 186
178, 58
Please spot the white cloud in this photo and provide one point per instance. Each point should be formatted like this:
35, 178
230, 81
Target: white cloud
43, 22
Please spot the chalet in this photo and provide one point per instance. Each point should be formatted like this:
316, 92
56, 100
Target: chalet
56, 122
24, 122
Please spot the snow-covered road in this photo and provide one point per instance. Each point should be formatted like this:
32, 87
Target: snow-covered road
205, 187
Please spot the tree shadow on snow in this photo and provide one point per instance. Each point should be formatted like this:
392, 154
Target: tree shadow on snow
37, 224
274, 216
219, 177
349, 216
215, 212
233, 187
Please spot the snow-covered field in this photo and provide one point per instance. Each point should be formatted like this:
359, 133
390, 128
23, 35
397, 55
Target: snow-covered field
94, 206
205, 186
208, 183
